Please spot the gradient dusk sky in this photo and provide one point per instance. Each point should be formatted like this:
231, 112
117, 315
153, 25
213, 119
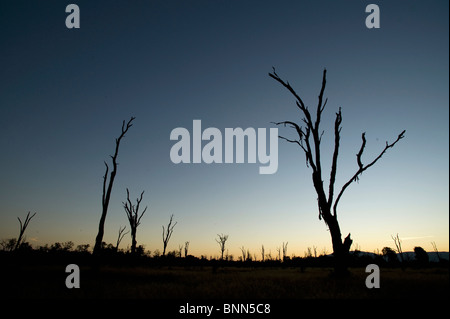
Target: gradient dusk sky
65, 93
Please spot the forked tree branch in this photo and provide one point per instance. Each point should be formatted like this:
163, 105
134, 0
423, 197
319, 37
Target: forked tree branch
23, 227
133, 210
121, 235
362, 168
337, 131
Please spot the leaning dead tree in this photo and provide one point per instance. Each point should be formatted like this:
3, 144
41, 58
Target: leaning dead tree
133, 217
167, 233
221, 241
107, 190
309, 139
23, 227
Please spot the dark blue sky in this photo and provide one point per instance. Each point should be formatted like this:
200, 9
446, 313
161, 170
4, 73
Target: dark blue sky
66, 92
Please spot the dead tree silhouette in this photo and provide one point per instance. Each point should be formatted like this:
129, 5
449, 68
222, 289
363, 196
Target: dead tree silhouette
23, 227
107, 191
222, 239
121, 235
133, 217
309, 139
284, 250
186, 248
398, 245
436, 251
167, 234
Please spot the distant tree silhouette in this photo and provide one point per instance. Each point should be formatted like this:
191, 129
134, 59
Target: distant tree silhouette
389, 254
221, 241
84, 248
166, 234
421, 256
8, 244
23, 227
107, 190
133, 217
309, 139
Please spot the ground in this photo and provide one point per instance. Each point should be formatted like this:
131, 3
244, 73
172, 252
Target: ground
236, 283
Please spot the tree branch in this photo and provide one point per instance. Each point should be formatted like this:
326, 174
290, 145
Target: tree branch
362, 168
23, 227
337, 131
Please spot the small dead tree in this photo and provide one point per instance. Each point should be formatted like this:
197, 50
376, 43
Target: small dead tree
398, 245
133, 217
309, 140
107, 190
243, 253
221, 241
262, 252
23, 227
186, 248
167, 234
436, 250
121, 235
285, 250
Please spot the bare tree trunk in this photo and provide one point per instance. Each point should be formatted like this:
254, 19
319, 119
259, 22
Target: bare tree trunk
107, 191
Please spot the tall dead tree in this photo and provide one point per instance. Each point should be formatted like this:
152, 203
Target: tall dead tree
23, 227
133, 217
166, 234
107, 190
309, 139
221, 241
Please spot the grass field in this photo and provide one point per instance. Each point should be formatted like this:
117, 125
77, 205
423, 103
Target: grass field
223, 283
